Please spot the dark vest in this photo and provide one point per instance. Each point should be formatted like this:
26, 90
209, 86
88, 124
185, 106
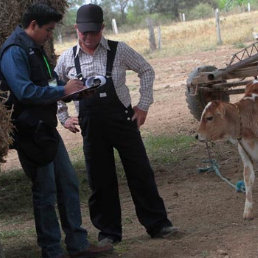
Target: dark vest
39, 75
35, 134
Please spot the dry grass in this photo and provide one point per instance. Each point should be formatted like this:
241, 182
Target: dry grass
188, 37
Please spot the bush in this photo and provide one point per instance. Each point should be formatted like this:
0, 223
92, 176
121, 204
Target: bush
140, 22
201, 11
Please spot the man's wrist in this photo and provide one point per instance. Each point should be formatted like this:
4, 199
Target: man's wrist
64, 120
143, 107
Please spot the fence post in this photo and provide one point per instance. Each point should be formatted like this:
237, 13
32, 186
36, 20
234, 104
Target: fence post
60, 38
182, 17
114, 26
152, 40
249, 7
159, 38
219, 41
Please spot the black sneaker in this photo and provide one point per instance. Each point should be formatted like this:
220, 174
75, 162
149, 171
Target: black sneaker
166, 232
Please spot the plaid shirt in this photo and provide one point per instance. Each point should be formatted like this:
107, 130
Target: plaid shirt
126, 59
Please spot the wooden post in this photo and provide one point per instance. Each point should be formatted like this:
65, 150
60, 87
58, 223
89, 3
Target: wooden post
159, 38
219, 41
114, 26
152, 40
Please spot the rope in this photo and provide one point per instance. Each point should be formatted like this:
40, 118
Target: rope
239, 186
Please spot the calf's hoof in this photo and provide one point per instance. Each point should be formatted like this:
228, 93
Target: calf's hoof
248, 215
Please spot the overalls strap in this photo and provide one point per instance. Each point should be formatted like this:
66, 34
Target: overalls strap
111, 57
77, 64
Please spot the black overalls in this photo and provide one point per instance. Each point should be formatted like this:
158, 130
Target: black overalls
106, 124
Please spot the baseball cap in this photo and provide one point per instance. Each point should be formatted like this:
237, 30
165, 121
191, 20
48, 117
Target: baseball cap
89, 18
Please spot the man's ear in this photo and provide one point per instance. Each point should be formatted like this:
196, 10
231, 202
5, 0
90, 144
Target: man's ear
33, 24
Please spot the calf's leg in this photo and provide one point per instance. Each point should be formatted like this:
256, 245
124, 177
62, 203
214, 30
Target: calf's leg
249, 178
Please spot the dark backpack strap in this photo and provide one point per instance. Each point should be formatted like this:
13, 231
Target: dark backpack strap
77, 64
111, 57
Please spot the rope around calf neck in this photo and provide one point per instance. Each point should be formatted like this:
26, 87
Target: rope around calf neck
239, 186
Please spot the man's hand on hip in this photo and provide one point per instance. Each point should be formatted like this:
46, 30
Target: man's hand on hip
139, 115
71, 123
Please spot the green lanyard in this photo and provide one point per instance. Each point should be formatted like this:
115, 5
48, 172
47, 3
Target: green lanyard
48, 66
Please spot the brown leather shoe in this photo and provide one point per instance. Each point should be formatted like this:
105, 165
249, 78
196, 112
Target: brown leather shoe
94, 251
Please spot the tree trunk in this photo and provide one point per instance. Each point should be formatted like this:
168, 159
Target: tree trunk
176, 10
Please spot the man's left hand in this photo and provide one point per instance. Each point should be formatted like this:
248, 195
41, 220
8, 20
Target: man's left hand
71, 124
139, 115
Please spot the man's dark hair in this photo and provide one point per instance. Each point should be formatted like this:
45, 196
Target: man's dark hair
42, 14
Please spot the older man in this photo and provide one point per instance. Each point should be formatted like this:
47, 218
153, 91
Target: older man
107, 121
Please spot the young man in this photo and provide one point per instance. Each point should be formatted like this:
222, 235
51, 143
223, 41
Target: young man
108, 121
41, 151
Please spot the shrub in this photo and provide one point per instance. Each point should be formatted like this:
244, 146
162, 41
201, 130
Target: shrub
201, 11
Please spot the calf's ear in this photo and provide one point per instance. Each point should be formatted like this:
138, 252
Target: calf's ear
221, 110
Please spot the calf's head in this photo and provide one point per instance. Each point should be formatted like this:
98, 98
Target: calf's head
216, 122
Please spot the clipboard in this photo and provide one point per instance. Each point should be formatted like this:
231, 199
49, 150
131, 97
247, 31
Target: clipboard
79, 94
90, 85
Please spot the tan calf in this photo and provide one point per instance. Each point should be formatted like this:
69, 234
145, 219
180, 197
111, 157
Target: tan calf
239, 123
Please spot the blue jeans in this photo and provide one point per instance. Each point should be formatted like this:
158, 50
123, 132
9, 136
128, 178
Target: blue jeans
56, 182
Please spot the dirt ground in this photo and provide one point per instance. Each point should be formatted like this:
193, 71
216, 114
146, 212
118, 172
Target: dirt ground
206, 209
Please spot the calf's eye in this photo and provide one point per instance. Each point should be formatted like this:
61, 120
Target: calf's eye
209, 118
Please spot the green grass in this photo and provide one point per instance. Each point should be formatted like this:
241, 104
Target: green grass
162, 150
5, 234
166, 149
204, 253
16, 214
15, 187
15, 194
239, 44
